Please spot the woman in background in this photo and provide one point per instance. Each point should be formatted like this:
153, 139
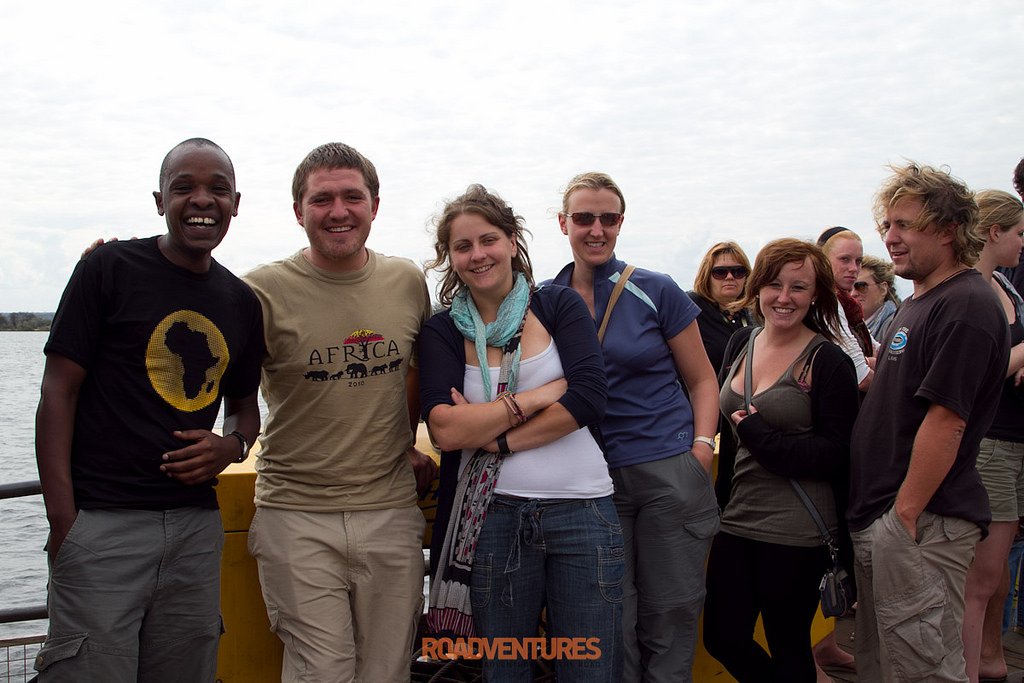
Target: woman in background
844, 251
769, 558
659, 441
510, 379
720, 282
875, 291
1001, 454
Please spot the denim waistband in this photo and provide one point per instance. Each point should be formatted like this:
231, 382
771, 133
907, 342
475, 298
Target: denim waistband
528, 513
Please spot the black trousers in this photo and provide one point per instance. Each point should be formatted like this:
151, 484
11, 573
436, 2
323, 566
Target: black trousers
746, 578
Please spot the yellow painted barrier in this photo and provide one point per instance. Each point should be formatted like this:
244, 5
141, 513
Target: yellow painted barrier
251, 653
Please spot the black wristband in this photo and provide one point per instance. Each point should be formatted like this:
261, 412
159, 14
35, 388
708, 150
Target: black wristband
503, 448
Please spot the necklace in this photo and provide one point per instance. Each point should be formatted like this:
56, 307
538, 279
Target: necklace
958, 271
953, 275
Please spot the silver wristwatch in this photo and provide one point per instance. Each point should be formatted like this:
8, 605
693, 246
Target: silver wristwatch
710, 441
243, 443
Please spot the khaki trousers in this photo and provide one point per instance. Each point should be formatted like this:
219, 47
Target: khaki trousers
911, 598
344, 590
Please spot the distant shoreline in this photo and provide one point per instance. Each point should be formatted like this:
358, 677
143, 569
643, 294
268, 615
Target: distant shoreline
25, 322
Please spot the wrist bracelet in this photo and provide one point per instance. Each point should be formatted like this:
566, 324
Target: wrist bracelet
503, 448
517, 408
513, 416
515, 413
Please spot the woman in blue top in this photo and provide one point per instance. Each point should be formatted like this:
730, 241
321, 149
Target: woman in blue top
659, 444
510, 379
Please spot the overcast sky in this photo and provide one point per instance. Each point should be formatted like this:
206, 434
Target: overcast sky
719, 120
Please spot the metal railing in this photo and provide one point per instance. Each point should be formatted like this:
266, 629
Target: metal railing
17, 655
20, 489
17, 658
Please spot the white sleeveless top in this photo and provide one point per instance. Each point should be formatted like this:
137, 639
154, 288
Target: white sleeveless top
571, 467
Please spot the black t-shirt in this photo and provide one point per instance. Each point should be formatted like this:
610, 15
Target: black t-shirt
949, 347
160, 346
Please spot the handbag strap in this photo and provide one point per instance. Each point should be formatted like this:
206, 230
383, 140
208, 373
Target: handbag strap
616, 293
826, 535
748, 370
748, 375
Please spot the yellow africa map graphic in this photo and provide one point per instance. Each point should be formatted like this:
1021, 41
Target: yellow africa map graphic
185, 360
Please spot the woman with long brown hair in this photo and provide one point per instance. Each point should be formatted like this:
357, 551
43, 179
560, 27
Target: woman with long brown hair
790, 394
511, 376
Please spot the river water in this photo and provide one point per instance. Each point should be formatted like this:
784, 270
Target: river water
22, 520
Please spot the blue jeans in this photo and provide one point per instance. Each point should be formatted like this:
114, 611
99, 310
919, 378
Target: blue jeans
563, 554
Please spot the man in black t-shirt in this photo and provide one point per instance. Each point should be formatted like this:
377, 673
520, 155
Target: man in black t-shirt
148, 337
917, 505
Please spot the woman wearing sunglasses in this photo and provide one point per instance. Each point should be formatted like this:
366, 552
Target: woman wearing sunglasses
659, 444
791, 396
721, 281
875, 291
510, 377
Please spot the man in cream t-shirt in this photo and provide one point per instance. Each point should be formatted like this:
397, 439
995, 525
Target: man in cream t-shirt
337, 534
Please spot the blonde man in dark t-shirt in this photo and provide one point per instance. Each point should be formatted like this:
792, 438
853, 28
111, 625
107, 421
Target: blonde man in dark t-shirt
917, 505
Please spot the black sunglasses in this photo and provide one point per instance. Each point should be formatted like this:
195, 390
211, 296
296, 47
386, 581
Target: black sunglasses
586, 218
721, 272
861, 285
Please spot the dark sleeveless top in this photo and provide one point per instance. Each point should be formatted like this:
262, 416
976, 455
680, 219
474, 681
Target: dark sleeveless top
1008, 424
763, 506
